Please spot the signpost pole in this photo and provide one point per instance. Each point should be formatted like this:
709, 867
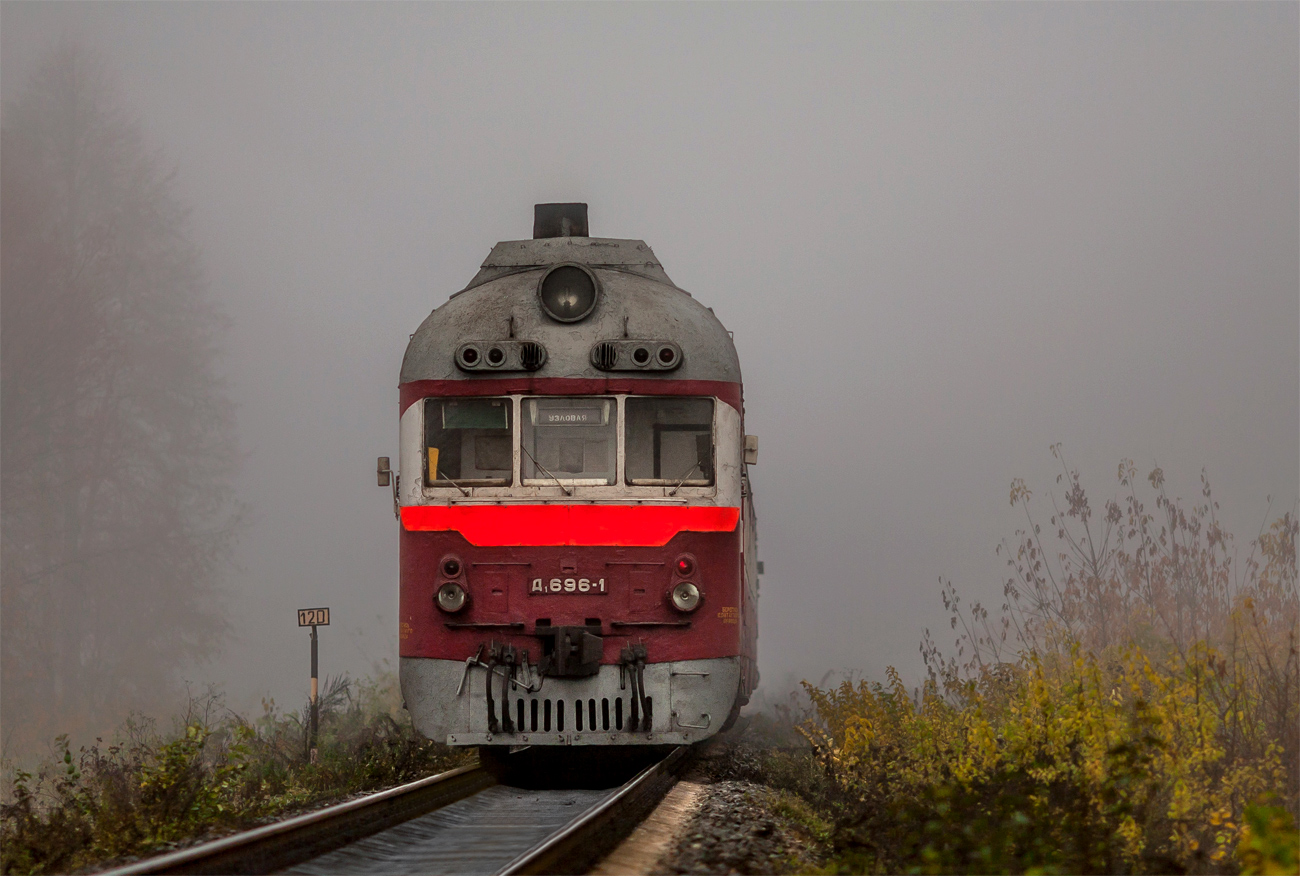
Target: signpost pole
313, 617
315, 709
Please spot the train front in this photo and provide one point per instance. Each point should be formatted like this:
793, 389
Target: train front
577, 547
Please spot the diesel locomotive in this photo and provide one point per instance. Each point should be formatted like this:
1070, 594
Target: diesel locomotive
578, 542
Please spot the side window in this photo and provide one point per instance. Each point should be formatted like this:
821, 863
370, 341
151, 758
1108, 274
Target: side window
573, 440
669, 441
468, 441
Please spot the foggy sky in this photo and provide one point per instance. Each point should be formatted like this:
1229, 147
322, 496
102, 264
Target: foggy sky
945, 237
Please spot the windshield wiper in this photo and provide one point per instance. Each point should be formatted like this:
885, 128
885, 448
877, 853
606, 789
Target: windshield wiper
450, 481
673, 491
558, 482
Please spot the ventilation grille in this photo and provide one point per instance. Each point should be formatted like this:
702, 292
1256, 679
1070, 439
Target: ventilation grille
604, 355
531, 355
579, 716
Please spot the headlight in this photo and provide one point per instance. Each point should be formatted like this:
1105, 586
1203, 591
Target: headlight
567, 293
451, 597
686, 596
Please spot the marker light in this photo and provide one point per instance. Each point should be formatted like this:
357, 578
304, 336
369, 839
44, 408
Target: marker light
685, 566
686, 596
451, 597
451, 567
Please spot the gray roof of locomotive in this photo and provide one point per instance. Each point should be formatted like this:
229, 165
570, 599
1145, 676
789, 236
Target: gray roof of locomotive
633, 286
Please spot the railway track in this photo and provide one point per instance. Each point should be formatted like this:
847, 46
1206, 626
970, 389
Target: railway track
460, 822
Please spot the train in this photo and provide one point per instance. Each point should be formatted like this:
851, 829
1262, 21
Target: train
578, 541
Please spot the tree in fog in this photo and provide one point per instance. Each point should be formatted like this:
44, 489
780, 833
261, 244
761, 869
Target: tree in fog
116, 433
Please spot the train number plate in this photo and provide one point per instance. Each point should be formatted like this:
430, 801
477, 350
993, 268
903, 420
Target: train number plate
567, 585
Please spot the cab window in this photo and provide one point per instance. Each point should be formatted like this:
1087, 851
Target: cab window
569, 440
468, 441
669, 441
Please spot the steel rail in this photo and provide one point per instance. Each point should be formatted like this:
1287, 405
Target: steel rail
294, 840
577, 846
392, 828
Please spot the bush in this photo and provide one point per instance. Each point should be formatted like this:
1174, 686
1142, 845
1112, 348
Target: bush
218, 773
1134, 709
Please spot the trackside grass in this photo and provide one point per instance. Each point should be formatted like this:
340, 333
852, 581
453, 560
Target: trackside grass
219, 772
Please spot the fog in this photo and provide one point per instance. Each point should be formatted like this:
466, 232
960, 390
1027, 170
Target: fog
945, 238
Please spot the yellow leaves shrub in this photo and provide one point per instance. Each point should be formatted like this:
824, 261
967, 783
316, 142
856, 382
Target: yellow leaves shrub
1133, 710
1128, 754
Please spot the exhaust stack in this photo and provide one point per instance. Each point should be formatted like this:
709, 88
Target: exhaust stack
559, 220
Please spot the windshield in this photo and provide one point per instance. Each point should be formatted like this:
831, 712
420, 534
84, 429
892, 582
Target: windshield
669, 441
572, 440
468, 441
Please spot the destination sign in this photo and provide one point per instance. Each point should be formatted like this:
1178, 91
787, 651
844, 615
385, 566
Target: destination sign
577, 416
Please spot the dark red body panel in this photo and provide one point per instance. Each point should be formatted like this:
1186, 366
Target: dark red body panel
637, 582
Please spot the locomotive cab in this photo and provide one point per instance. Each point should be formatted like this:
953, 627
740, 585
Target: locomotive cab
577, 529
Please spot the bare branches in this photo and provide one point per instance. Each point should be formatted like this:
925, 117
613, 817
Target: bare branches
1163, 578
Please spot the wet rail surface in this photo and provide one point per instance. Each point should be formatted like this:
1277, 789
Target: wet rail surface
461, 822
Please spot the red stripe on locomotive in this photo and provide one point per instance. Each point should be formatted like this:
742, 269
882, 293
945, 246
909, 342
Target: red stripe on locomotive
587, 525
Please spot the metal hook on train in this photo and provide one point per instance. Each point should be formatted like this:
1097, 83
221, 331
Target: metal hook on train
493, 727
532, 685
645, 698
632, 662
507, 655
528, 671
469, 662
